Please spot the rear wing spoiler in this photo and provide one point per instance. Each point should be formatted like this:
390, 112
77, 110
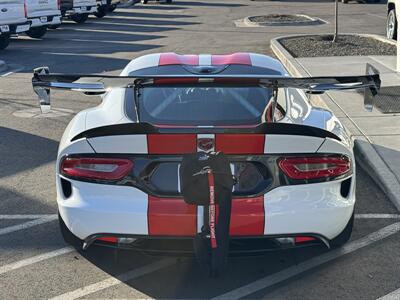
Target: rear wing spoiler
43, 81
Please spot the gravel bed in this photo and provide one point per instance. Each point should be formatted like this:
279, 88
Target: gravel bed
347, 45
278, 18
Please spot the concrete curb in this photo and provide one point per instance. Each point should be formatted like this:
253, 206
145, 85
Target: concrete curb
310, 21
3, 66
365, 153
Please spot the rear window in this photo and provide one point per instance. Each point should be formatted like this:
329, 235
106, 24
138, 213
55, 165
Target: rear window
203, 106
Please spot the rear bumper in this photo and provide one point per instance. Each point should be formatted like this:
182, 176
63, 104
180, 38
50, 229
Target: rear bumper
316, 209
81, 10
45, 21
17, 28
184, 247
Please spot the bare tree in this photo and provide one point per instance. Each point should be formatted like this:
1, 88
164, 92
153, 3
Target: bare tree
335, 35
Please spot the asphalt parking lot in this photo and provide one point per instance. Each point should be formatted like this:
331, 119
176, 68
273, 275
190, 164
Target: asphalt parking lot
35, 263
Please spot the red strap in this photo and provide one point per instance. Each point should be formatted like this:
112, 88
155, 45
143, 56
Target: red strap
212, 210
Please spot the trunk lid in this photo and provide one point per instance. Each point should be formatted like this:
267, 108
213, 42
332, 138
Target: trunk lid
41, 8
79, 3
12, 12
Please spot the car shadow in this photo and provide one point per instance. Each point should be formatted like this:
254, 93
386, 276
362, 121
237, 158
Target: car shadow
184, 278
21, 151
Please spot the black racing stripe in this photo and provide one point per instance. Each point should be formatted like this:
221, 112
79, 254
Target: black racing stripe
266, 128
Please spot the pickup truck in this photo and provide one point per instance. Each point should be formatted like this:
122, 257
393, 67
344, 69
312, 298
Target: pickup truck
77, 10
41, 14
12, 20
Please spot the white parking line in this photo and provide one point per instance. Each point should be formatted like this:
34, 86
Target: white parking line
357, 216
26, 225
18, 217
34, 259
311, 263
101, 285
377, 216
392, 296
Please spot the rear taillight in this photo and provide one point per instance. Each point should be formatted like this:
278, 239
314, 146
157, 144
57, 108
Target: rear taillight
96, 168
59, 4
315, 167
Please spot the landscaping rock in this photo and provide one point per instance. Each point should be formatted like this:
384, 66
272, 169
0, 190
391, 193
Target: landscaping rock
346, 45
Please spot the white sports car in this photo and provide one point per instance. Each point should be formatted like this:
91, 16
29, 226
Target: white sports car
118, 167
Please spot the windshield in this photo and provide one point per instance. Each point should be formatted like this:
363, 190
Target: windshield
203, 106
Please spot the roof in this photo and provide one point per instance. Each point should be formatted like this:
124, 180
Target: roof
235, 63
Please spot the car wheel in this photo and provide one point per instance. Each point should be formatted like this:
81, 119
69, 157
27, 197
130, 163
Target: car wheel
101, 11
80, 18
168, 1
391, 25
54, 26
144, 1
68, 236
344, 236
36, 32
345, 1
112, 7
4, 41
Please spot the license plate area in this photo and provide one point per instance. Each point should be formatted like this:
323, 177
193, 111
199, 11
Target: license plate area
43, 19
83, 8
252, 178
4, 28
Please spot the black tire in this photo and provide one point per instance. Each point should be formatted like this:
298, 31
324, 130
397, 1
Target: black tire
53, 27
4, 40
391, 25
68, 236
101, 11
144, 1
37, 32
344, 236
80, 18
168, 1
112, 7
345, 1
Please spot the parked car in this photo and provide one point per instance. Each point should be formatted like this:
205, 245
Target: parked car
41, 14
119, 180
78, 10
392, 23
12, 20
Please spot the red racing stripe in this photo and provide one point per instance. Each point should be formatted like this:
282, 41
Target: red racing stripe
231, 59
176, 59
171, 217
247, 217
171, 143
240, 143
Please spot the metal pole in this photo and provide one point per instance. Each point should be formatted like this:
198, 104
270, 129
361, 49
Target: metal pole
398, 38
335, 36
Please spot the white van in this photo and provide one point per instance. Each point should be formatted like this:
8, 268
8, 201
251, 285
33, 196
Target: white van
12, 20
41, 14
78, 10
